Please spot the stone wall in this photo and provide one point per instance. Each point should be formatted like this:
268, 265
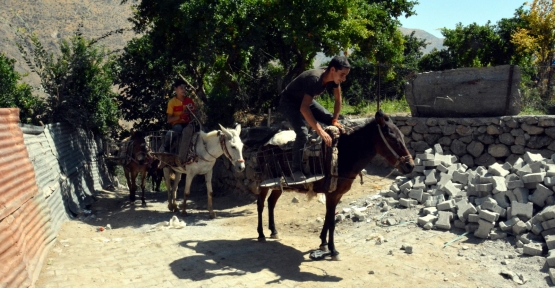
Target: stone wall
475, 141
481, 141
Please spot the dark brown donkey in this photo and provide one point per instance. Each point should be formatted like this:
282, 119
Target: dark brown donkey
135, 161
355, 151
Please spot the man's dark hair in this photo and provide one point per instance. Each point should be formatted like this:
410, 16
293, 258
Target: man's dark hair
178, 82
339, 62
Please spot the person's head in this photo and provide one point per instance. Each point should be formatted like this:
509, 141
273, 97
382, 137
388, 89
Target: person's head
339, 68
179, 87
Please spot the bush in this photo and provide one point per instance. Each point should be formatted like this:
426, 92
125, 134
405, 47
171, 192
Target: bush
14, 95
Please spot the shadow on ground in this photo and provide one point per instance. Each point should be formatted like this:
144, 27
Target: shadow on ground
245, 256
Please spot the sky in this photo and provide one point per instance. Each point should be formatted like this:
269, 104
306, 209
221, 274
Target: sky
436, 14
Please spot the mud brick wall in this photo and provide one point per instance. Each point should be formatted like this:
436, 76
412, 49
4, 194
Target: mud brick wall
481, 141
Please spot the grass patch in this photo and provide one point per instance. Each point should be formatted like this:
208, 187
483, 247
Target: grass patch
366, 108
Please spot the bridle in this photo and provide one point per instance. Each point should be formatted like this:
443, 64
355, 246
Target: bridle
400, 159
133, 156
223, 145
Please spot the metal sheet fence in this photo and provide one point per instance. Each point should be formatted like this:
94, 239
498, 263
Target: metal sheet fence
47, 176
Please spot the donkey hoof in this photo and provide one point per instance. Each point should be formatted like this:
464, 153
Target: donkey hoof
336, 258
262, 239
274, 236
212, 215
323, 248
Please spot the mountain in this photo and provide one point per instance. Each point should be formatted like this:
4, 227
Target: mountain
53, 20
431, 40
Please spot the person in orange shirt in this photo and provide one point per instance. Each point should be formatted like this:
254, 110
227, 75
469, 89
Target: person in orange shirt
177, 113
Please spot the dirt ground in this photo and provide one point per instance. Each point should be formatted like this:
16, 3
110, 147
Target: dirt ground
140, 251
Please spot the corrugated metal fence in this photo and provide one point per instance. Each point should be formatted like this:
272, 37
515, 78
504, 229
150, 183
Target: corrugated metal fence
47, 175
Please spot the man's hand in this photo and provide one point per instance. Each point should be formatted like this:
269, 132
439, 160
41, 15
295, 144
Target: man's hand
325, 137
335, 123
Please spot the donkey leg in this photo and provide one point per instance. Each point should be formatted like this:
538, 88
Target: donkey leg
169, 186
260, 208
324, 233
175, 186
209, 193
127, 173
188, 181
143, 178
331, 204
272, 200
133, 185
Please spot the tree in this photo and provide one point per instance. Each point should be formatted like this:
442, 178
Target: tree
78, 83
539, 39
226, 49
14, 95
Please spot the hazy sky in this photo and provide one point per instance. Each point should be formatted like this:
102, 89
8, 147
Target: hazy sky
435, 14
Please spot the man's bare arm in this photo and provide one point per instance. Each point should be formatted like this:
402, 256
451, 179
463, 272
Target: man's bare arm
307, 114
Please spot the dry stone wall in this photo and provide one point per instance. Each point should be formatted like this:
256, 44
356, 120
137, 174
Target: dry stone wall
481, 141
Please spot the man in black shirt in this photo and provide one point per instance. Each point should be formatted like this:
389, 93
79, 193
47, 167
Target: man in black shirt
297, 104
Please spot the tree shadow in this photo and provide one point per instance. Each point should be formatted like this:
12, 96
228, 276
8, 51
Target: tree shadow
113, 207
239, 257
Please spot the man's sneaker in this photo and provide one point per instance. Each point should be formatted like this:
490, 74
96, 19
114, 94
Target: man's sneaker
298, 176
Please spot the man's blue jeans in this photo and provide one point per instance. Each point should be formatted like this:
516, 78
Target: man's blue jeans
172, 136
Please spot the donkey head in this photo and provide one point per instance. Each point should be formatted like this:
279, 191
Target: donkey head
139, 147
233, 147
391, 144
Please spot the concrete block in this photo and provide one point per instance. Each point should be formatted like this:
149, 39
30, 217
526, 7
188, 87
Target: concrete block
549, 224
521, 194
487, 187
460, 177
498, 184
512, 184
501, 199
438, 149
550, 259
473, 218
530, 157
425, 156
445, 160
537, 228
441, 168
431, 163
488, 215
520, 227
497, 170
408, 203
464, 208
472, 227
416, 194
533, 249
550, 241
549, 181
494, 235
533, 178
490, 206
529, 237
508, 225
444, 220
546, 233
430, 177
484, 228
459, 224
406, 186
451, 189
430, 218
446, 205
521, 210
443, 179
510, 195
540, 195
547, 213
418, 182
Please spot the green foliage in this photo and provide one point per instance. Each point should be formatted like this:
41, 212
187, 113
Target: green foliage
78, 83
14, 95
367, 109
243, 53
479, 46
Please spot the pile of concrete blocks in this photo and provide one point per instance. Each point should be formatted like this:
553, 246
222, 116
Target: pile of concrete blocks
489, 202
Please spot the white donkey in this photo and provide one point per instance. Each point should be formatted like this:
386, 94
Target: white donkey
208, 148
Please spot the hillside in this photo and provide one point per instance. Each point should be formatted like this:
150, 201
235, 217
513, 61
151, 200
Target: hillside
431, 40
53, 20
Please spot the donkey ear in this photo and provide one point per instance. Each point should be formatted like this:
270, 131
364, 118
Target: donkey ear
380, 118
238, 129
223, 129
